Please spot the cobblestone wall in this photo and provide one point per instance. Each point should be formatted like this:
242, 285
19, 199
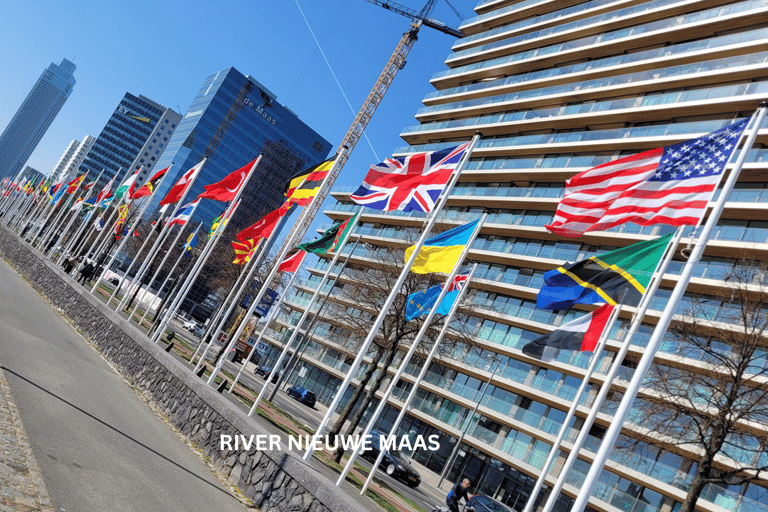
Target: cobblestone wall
274, 480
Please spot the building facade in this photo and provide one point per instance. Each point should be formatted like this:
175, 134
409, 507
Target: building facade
556, 88
232, 119
68, 169
34, 116
58, 171
135, 135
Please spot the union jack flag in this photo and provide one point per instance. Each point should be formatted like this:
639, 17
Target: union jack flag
458, 282
409, 183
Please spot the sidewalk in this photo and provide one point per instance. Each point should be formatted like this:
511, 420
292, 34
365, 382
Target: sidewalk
21, 483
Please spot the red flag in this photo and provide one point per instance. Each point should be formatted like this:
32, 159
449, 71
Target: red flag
181, 186
292, 262
72, 185
149, 187
264, 226
226, 189
244, 251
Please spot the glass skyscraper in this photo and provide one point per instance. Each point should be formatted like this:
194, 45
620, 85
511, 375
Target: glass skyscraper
557, 88
135, 135
35, 115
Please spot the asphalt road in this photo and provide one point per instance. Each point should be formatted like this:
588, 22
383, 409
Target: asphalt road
98, 445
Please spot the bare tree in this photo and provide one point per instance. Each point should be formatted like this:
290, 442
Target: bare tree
710, 401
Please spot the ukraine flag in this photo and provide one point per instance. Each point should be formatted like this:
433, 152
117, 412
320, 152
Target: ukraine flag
441, 253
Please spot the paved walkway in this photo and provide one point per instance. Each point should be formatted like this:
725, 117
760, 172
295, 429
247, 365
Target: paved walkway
21, 483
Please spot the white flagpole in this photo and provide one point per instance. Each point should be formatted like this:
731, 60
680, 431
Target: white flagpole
133, 228
237, 289
288, 244
412, 350
97, 243
415, 388
78, 231
170, 273
304, 315
661, 327
645, 302
395, 291
66, 211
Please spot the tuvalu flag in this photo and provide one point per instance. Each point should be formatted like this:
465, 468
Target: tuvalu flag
604, 278
582, 333
441, 253
303, 187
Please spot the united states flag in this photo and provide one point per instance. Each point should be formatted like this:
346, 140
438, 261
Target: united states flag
670, 185
409, 183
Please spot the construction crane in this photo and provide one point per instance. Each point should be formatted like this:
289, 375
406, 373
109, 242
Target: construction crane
364, 115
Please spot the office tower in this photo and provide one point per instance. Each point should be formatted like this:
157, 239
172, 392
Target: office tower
557, 88
231, 120
135, 135
34, 116
33, 174
58, 171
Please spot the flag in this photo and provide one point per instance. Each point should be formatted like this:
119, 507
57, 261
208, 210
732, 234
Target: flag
99, 223
345, 229
183, 214
149, 187
191, 241
323, 244
292, 262
78, 204
670, 185
222, 219
56, 187
603, 279
215, 224
127, 184
304, 186
75, 183
582, 333
106, 191
178, 189
122, 214
264, 227
244, 250
410, 183
441, 253
56, 199
226, 189
421, 303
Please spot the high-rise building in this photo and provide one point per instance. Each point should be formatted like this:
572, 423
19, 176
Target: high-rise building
135, 135
35, 115
70, 161
231, 120
557, 88
33, 174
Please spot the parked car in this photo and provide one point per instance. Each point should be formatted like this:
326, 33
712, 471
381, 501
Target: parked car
483, 503
303, 395
114, 281
194, 327
393, 463
262, 371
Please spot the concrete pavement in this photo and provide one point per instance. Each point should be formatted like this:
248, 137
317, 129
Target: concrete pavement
98, 445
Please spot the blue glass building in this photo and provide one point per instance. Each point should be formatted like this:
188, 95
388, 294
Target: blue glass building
34, 116
135, 135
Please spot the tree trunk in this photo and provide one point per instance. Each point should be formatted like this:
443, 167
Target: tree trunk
704, 469
357, 416
355, 396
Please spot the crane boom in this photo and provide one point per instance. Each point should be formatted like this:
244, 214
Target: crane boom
422, 16
355, 131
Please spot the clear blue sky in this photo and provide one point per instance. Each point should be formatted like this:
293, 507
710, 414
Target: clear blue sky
164, 50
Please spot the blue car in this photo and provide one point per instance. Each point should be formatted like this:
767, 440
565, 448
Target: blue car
303, 395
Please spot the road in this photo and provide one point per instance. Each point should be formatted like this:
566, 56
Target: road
98, 445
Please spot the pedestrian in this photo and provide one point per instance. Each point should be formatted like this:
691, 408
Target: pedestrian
459, 491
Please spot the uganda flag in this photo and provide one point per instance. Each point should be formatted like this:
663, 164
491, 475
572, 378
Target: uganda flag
303, 187
603, 279
149, 187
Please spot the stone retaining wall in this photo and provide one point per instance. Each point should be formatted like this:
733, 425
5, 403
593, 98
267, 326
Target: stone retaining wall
274, 480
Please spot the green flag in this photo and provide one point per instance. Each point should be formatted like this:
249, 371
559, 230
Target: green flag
333, 238
604, 278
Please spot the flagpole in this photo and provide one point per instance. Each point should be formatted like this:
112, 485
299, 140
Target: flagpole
64, 209
48, 234
288, 243
637, 319
302, 319
42, 232
78, 249
415, 387
78, 231
663, 324
315, 318
155, 247
184, 251
98, 242
28, 202
162, 262
237, 289
395, 290
125, 238
412, 349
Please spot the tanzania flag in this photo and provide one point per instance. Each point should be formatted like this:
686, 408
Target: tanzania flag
303, 187
603, 279
582, 333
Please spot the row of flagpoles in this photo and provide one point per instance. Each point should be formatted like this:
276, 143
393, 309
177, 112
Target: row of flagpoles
672, 185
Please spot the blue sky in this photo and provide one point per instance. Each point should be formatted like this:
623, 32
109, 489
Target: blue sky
164, 50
